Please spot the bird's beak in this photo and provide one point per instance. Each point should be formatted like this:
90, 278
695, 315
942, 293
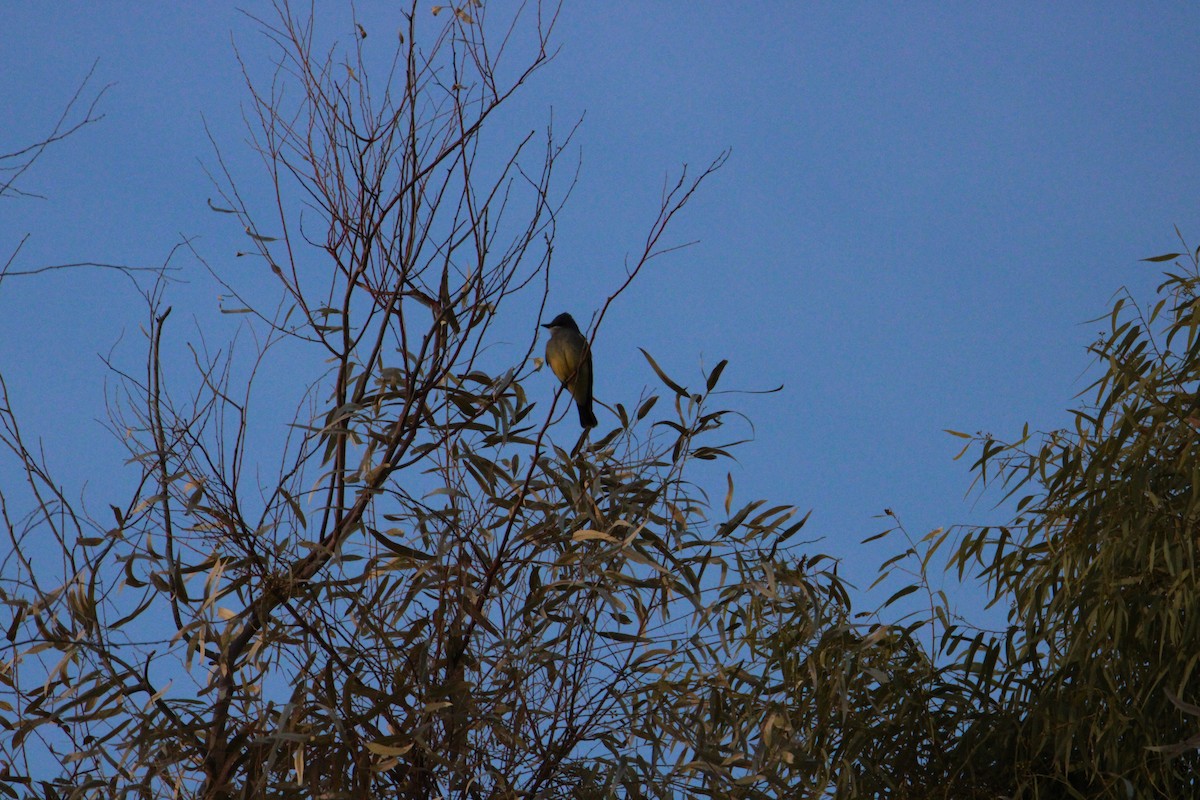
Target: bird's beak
547, 325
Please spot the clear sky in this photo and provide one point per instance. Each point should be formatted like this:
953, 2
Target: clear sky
924, 205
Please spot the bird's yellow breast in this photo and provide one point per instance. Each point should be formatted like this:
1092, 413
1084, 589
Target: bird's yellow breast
562, 358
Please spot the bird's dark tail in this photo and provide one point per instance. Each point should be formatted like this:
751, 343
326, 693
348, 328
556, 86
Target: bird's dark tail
586, 418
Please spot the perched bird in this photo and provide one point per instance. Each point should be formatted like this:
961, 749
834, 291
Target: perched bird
568, 354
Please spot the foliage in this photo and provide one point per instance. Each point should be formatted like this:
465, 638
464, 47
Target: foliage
409, 588
1090, 689
1086, 689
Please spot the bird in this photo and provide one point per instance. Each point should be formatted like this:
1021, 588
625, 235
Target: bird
570, 357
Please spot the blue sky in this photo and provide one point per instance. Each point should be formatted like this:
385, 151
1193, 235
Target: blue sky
924, 205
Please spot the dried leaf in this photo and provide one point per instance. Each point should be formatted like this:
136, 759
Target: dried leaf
389, 750
588, 535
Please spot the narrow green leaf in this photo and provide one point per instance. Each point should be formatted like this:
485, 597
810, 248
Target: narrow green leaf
672, 385
256, 237
905, 592
715, 375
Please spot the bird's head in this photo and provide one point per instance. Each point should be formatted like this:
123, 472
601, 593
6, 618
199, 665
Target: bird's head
563, 320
